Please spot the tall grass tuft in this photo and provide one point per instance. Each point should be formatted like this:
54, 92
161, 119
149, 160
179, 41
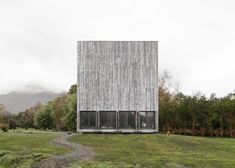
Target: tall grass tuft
9, 160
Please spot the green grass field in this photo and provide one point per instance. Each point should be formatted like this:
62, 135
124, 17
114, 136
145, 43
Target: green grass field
157, 150
21, 148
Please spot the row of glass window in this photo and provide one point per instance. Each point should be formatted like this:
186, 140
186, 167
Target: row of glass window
114, 120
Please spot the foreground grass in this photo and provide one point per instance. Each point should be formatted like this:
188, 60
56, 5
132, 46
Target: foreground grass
21, 148
156, 150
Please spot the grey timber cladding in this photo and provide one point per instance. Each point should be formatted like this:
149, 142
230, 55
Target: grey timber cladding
117, 75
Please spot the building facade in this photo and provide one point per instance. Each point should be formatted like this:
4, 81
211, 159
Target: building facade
117, 86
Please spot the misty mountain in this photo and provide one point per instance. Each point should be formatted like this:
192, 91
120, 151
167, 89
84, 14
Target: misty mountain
20, 101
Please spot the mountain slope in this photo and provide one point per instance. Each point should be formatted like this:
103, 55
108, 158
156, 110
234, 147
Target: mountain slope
19, 101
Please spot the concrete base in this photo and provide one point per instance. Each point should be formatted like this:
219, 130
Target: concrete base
121, 131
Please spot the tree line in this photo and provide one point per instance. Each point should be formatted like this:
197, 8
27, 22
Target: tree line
58, 114
178, 113
195, 114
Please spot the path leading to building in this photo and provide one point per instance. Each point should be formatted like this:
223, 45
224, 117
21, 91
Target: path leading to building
80, 152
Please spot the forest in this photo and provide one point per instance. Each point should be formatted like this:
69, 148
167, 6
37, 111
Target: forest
178, 113
58, 114
194, 114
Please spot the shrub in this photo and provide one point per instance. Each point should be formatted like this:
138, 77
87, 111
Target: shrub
3, 153
4, 127
9, 160
13, 123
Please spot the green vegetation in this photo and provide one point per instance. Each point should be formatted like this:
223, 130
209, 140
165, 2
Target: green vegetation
157, 150
44, 118
196, 114
58, 114
4, 127
21, 148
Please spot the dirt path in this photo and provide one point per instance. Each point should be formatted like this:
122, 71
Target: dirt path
80, 152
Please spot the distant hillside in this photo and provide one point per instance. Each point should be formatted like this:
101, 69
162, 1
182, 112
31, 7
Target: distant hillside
19, 101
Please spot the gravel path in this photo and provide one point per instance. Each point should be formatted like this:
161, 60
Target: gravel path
80, 152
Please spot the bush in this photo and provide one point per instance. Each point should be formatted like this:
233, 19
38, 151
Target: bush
4, 127
9, 160
13, 123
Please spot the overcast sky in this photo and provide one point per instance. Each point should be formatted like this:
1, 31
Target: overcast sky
38, 39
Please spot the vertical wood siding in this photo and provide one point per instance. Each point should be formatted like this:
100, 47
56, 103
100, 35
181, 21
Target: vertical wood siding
117, 75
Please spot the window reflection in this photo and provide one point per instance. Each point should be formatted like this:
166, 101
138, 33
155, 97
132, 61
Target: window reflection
127, 120
88, 119
146, 120
107, 120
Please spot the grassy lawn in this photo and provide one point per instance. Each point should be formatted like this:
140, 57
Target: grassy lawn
157, 150
21, 148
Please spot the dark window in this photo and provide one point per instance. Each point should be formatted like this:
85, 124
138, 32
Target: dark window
107, 120
127, 120
88, 119
147, 120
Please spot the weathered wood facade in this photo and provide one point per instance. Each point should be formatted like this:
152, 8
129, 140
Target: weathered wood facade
117, 76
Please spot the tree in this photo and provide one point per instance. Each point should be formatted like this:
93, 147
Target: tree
26, 118
59, 112
73, 89
13, 123
44, 118
71, 109
3, 114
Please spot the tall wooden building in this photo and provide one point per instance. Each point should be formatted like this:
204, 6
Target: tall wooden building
117, 86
